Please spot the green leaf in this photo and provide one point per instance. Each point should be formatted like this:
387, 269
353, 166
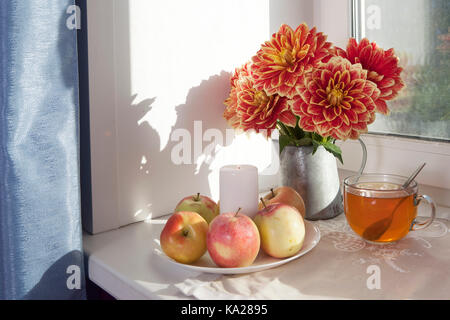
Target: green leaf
316, 146
284, 141
299, 133
317, 137
334, 149
308, 139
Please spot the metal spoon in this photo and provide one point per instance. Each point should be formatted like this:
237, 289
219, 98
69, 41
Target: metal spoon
377, 229
413, 176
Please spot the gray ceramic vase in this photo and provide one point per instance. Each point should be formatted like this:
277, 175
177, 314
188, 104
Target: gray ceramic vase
315, 177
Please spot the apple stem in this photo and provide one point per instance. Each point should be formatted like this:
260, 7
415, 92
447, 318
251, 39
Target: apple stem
237, 212
197, 198
264, 204
273, 194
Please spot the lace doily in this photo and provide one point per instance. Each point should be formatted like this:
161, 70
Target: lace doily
343, 238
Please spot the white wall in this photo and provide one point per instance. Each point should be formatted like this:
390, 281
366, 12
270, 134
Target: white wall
332, 17
156, 69
329, 16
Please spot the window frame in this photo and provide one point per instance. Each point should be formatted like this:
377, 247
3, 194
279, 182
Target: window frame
396, 153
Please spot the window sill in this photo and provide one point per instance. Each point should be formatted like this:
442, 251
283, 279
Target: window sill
122, 263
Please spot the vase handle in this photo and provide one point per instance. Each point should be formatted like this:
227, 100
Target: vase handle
364, 157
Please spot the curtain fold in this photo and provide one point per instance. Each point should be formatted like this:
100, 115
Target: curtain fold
40, 228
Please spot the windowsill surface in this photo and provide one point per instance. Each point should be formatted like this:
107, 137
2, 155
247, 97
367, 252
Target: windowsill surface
122, 263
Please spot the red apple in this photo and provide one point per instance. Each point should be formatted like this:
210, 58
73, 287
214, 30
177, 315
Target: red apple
233, 240
184, 237
203, 205
282, 230
286, 195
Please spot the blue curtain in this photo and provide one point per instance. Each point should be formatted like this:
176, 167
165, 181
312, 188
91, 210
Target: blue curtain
40, 228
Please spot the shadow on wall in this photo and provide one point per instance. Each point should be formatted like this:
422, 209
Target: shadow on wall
150, 182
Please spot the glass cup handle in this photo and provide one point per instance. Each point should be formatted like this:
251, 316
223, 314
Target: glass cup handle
422, 225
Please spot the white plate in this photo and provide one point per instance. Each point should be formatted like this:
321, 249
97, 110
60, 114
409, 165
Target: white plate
262, 262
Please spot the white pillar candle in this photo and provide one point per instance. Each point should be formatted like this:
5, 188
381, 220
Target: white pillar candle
239, 189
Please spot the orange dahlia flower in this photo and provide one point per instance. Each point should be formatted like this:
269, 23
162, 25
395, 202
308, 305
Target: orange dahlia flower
252, 109
336, 99
382, 67
282, 61
230, 113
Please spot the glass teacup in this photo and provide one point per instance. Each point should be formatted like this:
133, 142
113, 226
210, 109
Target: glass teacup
380, 210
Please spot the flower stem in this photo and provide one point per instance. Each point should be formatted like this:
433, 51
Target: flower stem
285, 130
281, 129
291, 131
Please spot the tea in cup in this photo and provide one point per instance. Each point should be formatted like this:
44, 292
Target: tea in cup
380, 210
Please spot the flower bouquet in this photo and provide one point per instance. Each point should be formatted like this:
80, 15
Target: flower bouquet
314, 93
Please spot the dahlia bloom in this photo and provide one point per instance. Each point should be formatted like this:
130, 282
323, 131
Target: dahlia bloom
382, 67
252, 109
230, 113
281, 62
336, 99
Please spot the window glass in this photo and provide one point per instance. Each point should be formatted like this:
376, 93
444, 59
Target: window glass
419, 31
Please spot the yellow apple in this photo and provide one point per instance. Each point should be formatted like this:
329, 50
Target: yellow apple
286, 195
203, 205
282, 230
184, 237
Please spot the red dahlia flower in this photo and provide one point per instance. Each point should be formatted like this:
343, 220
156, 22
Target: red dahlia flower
336, 100
282, 61
249, 108
382, 67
